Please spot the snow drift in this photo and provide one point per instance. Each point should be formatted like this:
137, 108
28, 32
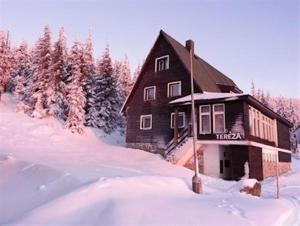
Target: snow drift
50, 176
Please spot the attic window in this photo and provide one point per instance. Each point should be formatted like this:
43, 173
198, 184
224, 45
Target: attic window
162, 63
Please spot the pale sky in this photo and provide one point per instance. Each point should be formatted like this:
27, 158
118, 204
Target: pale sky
246, 40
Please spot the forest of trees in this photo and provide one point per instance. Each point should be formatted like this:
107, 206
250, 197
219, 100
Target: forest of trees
49, 79
288, 108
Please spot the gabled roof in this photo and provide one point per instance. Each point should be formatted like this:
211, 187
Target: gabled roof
206, 76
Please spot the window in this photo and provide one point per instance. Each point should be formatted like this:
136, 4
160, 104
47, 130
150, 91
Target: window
149, 93
261, 125
205, 121
162, 63
146, 122
258, 133
219, 118
180, 120
174, 89
252, 122
264, 134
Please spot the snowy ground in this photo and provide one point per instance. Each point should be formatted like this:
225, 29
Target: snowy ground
49, 176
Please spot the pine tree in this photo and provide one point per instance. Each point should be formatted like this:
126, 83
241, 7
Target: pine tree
268, 100
20, 87
56, 99
91, 101
106, 97
291, 113
280, 107
7, 61
124, 82
253, 89
258, 94
104, 65
42, 86
21, 72
29, 75
136, 74
87, 61
263, 98
76, 96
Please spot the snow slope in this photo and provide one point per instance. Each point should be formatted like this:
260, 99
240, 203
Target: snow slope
50, 176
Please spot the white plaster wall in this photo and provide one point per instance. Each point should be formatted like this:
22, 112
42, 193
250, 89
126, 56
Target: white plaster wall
211, 160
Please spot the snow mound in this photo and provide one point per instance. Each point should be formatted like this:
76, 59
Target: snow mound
248, 183
25, 186
60, 178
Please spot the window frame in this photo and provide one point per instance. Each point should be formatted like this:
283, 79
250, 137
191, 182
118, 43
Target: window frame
264, 126
167, 66
141, 122
172, 83
214, 121
184, 120
145, 92
200, 121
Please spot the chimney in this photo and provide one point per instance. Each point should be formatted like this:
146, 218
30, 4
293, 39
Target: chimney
189, 45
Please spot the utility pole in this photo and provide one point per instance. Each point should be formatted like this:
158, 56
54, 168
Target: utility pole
196, 180
277, 174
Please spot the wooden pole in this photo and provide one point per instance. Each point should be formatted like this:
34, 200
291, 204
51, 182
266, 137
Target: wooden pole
196, 180
277, 174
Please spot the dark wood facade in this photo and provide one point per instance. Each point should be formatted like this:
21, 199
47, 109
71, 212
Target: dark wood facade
237, 120
207, 79
161, 131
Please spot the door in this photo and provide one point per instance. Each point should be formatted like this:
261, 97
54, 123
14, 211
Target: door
225, 164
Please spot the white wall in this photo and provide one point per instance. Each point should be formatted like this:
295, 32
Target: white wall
211, 160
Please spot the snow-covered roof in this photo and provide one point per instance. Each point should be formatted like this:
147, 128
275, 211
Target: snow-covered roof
207, 96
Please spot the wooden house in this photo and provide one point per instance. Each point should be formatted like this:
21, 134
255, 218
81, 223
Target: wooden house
233, 129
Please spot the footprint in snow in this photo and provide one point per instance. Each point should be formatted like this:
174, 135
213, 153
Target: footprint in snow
28, 167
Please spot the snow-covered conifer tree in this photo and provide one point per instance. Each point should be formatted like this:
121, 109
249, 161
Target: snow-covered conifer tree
20, 87
56, 99
22, 71
76, 96
87, 60
124, 82
124, 85
41, 83
7, 61
253, 89
291, 113
106, 98
136, 73
280, 107
263, 98
268, 100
